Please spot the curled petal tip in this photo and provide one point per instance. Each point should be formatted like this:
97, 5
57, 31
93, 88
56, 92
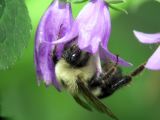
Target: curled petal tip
153, 62
128, 64
147, 38
105, 53
124, 63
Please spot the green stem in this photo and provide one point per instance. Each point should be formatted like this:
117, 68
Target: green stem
79, 1
115, 1
118, 9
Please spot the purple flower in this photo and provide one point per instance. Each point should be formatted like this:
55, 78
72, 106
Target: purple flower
54, 24
154, 61
92, 29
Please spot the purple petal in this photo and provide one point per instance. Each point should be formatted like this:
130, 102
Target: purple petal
147, 38
94, 27
70, 35
92, 47
154, 61
105, 54
46, 64
107, 25
54, 24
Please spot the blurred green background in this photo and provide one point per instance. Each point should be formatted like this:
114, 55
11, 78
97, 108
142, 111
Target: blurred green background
22, 99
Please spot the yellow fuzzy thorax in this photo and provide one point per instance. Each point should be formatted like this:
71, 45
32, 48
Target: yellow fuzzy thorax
69, 74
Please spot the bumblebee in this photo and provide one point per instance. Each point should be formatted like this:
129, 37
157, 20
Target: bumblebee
76, 72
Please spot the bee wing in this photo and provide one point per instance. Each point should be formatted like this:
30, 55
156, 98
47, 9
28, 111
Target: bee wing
94, 101
82, 103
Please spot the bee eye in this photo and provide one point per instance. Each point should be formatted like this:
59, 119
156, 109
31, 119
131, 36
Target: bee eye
74, 57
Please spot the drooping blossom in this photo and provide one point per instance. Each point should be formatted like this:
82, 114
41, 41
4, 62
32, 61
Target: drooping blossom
153, 62
92, 29
54, 24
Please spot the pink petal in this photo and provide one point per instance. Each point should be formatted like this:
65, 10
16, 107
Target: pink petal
154, 61
105, 54
54, 24
147, 38
94, 27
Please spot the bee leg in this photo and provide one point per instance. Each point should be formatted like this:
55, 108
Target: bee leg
108, 74
115, 83
101, 85
101, 80
138, 70
54, 57
103, 77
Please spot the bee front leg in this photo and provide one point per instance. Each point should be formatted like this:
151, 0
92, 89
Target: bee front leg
127, 78
117, 82
102, 78
110, 72
102, 87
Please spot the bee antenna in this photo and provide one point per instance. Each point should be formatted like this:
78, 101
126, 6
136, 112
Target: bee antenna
117, 60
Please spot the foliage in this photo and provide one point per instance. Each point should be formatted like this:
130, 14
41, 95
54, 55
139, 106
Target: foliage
15, 28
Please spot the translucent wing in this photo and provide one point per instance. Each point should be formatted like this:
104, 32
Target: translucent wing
82, 103
94, 101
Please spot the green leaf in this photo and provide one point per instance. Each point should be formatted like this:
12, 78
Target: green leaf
2, 6
15, 29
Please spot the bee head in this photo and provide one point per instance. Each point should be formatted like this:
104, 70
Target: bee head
75, 57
